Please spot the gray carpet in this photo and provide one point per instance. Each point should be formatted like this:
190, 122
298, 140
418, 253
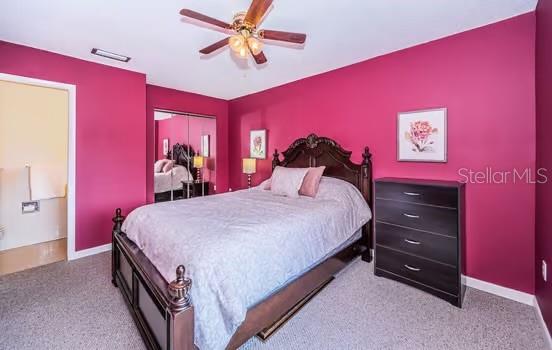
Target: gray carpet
74, 306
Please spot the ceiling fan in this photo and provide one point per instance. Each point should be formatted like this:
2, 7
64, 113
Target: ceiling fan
246, 37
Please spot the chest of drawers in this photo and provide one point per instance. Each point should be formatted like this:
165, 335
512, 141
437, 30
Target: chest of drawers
419, 233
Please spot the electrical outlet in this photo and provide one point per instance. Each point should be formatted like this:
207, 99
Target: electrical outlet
544, 271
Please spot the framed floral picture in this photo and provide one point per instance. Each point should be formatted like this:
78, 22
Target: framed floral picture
422, 136
257, 144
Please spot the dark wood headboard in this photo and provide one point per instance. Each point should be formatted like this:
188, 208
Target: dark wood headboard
183, 155
313, 151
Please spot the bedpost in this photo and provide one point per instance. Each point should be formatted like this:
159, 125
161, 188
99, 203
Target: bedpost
181, 312
366, 186
117, 223
179, 290
275, 159
367, 174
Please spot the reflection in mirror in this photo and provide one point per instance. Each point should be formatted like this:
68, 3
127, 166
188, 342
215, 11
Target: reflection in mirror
185, 155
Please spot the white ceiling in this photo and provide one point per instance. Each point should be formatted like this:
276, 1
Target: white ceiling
165, 47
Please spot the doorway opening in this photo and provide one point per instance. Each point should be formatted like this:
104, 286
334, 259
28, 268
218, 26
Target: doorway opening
37, 172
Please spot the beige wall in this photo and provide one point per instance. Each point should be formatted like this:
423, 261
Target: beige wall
33, 130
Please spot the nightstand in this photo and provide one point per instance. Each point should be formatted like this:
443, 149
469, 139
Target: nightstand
196, 189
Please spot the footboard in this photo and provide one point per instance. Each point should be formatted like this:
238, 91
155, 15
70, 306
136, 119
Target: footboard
162, 311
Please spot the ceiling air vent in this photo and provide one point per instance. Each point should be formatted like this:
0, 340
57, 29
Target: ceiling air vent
110, 55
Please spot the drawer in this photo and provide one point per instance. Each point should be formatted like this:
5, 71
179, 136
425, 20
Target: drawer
432, 195
433, 219
427, 245
423, 271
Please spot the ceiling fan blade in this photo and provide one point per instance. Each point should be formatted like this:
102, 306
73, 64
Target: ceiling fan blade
297, 38
256, 11
260, 58
200, 17
214, 47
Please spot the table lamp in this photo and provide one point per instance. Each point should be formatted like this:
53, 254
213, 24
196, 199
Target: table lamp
249, 167
198, 164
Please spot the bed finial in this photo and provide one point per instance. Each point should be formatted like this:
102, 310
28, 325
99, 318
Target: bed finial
118, 220
179, 290
275, 159
366, 156
366, 163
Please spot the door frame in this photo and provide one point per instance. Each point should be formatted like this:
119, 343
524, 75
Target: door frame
71, 149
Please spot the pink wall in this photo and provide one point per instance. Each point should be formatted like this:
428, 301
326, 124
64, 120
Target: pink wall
169, 99
544, 156
485, 77
111, 124
184, 130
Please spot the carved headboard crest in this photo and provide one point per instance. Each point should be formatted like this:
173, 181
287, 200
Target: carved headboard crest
312, 141
182, 154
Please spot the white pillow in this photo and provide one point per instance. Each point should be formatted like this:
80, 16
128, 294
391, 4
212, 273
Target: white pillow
287, 181
158, 166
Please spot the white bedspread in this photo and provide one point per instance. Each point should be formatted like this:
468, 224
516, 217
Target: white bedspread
171, 180
240, 247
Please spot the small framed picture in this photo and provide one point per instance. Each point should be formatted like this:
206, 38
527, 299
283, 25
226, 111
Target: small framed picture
165, 147
422, 136
257, 144
205, 146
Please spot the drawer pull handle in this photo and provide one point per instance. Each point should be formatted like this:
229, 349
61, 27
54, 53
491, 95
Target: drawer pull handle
411, 216
412, 194
412, 242
411, 268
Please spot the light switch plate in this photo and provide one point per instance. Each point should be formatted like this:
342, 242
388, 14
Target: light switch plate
30, 207
544, 271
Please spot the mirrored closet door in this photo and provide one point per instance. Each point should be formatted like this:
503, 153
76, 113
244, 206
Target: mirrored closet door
185, 155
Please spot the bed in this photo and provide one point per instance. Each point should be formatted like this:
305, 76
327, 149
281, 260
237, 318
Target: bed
170, 182
242, 286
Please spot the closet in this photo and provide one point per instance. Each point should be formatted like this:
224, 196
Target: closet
185, 155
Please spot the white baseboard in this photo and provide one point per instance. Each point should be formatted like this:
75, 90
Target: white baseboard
543, 324
91, 251
508, 293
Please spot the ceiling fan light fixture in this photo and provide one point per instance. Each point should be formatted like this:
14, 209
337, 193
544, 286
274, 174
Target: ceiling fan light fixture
255, 45
236, 42
246, 38
243, 52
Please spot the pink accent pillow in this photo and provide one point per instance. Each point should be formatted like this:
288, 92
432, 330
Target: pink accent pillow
312, 181
168, 166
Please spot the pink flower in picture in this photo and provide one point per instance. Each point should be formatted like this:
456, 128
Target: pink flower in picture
257, 144
420, 135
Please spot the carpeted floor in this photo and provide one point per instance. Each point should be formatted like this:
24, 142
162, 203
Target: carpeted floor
74, 306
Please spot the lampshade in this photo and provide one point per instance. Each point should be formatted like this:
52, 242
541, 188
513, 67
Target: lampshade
198, 162
255, 45
249, 165
236, 42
